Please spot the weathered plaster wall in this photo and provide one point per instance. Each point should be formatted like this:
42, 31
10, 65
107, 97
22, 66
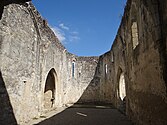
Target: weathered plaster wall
104, 88
146, 88
83, 74
140, 53
28, 51
18, 59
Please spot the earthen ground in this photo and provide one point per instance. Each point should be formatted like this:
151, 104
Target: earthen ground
97, 115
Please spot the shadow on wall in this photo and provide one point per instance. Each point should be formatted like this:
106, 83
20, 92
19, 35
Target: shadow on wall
104, 90
1, 10
7, 116
91, 94
94, 93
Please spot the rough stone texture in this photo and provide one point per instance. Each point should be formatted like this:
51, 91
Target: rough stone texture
143, 64
29, 50
146, 85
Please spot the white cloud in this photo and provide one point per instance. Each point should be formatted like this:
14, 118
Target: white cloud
63, 26
65, 35
74, 33
60, 35
74, 38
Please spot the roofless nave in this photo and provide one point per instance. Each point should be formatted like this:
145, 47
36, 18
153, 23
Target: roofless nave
38, 74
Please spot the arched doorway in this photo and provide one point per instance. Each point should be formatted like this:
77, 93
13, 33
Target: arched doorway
49, 91
122, 87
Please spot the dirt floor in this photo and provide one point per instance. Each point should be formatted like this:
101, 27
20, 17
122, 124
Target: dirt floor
88, 116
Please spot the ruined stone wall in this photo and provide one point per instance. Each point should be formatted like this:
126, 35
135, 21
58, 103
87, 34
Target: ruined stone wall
139, 53
100, 89
104, 88
84, 71
29, 50
146, 85
19, 60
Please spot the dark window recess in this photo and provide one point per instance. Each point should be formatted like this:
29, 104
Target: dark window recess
73, 68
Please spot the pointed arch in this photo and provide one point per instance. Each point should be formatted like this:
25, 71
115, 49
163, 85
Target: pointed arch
50, 89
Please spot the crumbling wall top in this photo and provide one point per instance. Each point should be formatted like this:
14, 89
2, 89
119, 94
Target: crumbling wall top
6, 2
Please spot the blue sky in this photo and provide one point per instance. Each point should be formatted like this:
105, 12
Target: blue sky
85, 27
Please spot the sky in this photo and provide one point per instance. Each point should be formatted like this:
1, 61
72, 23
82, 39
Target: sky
84, 27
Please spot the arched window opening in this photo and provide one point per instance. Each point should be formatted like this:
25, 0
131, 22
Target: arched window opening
135, 39
106, 69
112, 57
122, 87
73, 68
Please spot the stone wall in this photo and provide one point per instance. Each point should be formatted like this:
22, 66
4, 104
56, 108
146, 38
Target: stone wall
145, 65
104, 88
29, 50
139, 54
132, 75
83, 74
